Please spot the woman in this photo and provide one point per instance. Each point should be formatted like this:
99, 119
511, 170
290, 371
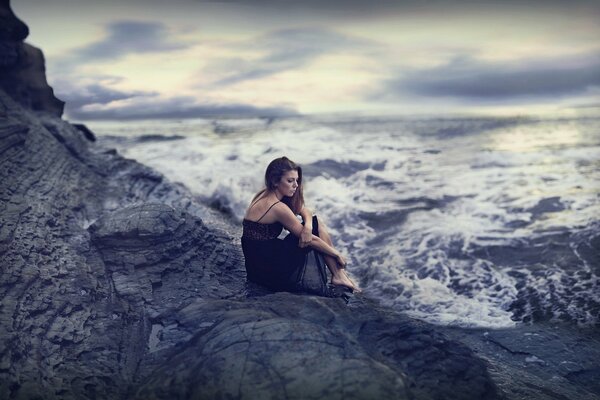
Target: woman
273, 262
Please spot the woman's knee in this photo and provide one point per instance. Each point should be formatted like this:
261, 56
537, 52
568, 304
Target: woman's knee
321, 228
322, 223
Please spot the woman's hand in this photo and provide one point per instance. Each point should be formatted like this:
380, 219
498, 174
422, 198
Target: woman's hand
306, 237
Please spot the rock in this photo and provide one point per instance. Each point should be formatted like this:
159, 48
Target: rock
58, 334
87, 133
163, 258
293, 346
11, 27
116, 284
22, 66
538, 361
246, 350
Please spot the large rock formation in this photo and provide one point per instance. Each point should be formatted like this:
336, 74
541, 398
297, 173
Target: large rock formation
116, 284
22, 66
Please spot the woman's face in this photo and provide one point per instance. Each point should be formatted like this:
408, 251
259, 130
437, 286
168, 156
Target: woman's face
288, 184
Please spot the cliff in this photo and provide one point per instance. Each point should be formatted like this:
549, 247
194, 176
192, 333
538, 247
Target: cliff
22, 66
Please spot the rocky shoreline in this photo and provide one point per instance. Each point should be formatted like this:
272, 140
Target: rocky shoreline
117, 283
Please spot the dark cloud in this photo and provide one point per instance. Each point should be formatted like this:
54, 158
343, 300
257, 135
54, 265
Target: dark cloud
86, 101
82, 95
177, 107
365, 8
466, 78
284, 50
130, 37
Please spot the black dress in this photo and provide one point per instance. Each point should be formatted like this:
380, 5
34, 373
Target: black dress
279, 264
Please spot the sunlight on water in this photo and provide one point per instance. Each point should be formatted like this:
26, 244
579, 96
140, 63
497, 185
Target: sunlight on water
536, 137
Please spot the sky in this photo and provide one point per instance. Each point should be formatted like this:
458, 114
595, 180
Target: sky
149, 59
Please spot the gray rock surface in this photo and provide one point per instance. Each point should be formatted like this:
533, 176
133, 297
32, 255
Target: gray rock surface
291, 346
116, 284
540, 361
262, 349
66, 331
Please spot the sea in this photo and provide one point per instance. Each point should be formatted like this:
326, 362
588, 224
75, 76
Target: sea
458, 221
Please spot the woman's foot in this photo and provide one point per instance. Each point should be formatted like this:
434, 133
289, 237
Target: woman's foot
342, 279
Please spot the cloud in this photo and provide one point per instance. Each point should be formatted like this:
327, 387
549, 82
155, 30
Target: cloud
365, 8
466, 78
95, 93
126, 37
282, 50
588, 105
152, 107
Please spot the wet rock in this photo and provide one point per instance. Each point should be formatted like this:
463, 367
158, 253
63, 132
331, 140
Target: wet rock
538, 361
158, 138
87, 133
251, 351
292, 346
547, 205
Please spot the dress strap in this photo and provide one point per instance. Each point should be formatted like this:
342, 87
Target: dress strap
255, 202
269, 209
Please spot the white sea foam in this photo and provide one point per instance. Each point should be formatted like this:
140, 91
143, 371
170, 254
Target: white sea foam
418, 206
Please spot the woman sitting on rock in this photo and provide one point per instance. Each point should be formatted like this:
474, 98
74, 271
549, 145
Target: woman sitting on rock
288, 264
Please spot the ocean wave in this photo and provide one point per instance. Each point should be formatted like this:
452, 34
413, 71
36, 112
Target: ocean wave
464, 222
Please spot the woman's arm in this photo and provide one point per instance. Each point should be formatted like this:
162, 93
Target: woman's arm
319, 244
291, 223
306, 234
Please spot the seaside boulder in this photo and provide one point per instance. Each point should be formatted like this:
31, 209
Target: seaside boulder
248, 351
285, 345
162, 257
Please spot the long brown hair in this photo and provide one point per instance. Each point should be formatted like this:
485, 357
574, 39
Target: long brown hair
275, 171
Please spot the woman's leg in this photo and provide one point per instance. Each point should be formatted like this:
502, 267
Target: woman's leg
338, 275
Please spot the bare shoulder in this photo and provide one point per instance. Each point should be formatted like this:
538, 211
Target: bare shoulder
284, 214
256, 207
282, 209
